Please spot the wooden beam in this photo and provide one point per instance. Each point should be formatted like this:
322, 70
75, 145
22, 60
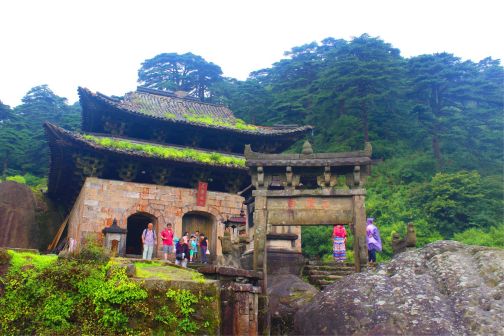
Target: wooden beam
56, 239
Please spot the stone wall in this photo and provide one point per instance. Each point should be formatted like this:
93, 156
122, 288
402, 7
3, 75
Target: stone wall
100, 201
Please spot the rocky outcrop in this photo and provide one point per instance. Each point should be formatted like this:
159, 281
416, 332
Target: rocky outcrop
27, 220
17, 215
444, 288
287, 293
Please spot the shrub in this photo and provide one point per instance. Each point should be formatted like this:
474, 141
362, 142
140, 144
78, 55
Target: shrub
92, 250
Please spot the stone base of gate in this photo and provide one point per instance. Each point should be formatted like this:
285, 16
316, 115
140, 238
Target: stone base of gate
280, 261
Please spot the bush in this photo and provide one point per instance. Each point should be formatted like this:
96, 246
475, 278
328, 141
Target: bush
494, 236
92, 250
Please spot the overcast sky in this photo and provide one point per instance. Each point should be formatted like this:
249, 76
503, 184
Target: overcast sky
100, 44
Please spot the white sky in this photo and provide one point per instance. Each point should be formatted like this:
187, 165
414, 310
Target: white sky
100, 44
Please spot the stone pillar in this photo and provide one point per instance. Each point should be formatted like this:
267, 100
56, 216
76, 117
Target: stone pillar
260, 261
359, 232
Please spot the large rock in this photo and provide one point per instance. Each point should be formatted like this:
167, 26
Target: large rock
26, 220
445, 288
17, 215
287, 293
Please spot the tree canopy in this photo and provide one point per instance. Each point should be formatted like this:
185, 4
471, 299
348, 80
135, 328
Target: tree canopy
180, 72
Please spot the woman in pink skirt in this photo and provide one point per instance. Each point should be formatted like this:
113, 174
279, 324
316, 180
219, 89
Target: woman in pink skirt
339, 247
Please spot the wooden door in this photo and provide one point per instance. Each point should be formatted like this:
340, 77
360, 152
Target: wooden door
193, 222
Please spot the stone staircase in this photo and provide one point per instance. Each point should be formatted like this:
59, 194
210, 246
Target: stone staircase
322, 274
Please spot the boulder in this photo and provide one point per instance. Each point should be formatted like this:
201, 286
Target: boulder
287, 293
17, 215
444, 288
27, 219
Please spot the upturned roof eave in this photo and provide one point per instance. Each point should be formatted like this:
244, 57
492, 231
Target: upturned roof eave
62, 134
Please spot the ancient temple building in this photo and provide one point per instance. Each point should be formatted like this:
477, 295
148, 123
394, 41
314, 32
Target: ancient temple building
155, 156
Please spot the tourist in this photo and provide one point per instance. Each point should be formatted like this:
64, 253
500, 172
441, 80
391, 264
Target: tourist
167, 237
196, 251
148, 241
193, 246
373, 240
339, 243
203, 248
181, 252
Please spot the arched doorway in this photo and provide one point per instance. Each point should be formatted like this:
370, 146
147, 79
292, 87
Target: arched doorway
204, 223
136, 224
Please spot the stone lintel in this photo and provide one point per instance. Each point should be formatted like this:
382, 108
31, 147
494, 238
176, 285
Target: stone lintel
310, 193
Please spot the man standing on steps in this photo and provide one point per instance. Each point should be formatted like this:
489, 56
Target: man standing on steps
148, 241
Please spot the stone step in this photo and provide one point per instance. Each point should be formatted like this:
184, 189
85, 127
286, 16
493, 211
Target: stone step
325, 283
318, 278
329, 268
331, 263
331, 272
195, 265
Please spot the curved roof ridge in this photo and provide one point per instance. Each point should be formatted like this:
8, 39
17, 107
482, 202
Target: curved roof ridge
192, 112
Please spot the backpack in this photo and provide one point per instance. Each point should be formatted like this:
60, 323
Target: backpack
144, 234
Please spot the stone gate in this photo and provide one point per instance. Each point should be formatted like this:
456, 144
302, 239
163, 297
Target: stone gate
307, 189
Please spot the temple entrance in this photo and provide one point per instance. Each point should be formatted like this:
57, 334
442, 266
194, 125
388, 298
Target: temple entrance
136, 224
203, 222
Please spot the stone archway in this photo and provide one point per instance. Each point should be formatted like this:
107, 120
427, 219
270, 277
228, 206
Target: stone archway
136, 223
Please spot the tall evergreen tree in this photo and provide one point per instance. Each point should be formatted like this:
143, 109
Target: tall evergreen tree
185, 72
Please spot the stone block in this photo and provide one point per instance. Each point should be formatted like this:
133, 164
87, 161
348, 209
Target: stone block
131, 194
91, 202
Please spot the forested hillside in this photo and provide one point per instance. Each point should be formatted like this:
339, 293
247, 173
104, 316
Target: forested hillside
435, 121
23, 149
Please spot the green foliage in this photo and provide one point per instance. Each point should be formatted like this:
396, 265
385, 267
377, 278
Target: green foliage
44, 295
180, 72
494, 236
454, 202
92, 250
23, 148
47, 295
169, 152
178, 316
16, 178
169, 115
34, 182
208, 120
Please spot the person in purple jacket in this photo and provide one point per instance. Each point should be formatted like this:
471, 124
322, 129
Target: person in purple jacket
373, 240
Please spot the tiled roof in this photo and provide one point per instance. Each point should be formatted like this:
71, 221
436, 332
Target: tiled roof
170, 107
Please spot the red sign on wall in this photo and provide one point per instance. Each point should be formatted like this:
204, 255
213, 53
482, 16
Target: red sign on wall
201, 194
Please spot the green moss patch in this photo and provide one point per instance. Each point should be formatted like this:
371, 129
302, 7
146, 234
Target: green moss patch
20, 260
211, 158
163, 271
208, 120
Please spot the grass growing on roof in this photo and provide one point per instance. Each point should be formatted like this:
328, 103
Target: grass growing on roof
208, 120
169, 152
